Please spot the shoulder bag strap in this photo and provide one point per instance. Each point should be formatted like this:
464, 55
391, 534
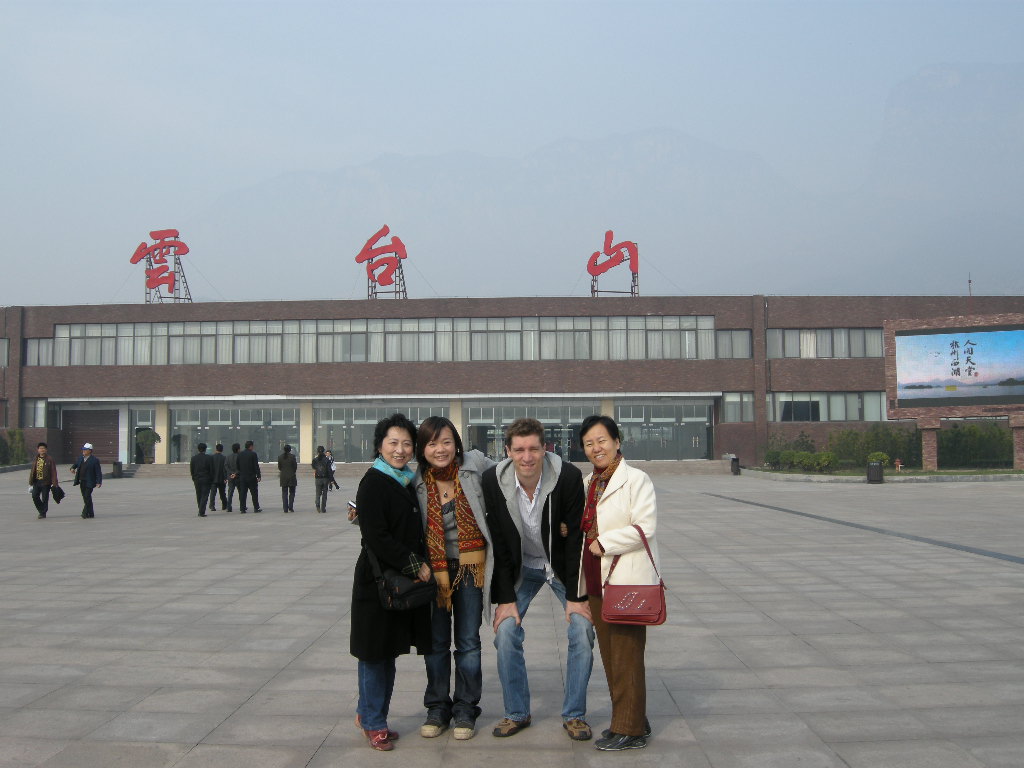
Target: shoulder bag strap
647, 546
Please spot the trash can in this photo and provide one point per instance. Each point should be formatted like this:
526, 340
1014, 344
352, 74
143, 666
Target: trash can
117, 469
875, 474
734, 463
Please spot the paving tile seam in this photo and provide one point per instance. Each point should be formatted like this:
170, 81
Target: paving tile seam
884, 531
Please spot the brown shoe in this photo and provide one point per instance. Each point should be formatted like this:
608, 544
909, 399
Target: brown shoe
578, 729
379, 740
510, 727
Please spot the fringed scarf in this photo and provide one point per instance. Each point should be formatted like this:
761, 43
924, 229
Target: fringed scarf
472, 546
598, 482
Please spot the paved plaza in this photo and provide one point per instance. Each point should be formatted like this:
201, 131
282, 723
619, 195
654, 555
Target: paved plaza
810, 626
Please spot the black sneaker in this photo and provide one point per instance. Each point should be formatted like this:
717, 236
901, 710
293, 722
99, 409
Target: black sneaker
616, 742
647, 730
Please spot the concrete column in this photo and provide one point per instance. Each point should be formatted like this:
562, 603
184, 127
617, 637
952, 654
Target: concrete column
608, 407
1017, 427
455, 415
929, 443
162, 426
307, 433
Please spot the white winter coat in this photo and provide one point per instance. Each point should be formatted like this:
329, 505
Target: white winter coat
628, 499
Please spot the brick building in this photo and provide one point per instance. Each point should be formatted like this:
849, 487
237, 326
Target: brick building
686, 377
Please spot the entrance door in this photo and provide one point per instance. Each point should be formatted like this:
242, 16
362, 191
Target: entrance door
96, 427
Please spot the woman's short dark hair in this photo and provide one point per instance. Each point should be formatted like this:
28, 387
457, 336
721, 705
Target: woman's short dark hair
430, 428
592, 421
394, 420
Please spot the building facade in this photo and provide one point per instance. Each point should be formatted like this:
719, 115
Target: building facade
686, 377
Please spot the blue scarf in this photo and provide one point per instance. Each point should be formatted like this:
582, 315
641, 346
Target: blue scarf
402, 476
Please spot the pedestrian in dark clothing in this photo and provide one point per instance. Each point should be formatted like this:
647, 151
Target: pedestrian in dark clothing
201, 469
41, 477
88, 477
322, 478
288, 467
220, 477
249, 477
231, 468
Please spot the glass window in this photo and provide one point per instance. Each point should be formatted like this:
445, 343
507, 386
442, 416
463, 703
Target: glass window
856, 342
873, 342
824, 342
774, 343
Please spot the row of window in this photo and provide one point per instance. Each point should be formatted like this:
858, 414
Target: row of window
806, 406
824, 342
409, 340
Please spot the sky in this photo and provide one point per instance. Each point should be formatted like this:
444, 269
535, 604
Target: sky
126, 116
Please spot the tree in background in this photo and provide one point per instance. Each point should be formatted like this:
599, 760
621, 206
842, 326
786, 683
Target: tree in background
16, 439
5, 451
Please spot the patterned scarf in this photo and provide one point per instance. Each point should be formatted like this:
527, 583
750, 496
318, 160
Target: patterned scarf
402, 476
598, 482
472, 546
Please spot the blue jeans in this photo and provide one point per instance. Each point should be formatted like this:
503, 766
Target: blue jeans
515, 687
465, 618
376, 683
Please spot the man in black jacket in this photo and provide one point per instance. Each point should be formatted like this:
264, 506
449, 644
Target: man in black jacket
231, 468
249, 476
534, 506
220, 478
201, 469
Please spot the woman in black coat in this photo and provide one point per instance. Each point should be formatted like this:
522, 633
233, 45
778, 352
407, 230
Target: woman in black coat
391, 526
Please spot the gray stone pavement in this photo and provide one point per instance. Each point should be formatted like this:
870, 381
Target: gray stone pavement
149, 637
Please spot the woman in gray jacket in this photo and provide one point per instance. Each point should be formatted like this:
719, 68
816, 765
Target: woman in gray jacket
459, 551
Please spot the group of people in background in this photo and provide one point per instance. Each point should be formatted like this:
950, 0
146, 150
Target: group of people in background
222, 475
492, 535
43, 480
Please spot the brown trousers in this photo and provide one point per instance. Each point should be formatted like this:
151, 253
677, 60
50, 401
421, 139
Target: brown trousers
622, 653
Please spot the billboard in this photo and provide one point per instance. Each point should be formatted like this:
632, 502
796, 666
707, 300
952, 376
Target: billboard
959, 366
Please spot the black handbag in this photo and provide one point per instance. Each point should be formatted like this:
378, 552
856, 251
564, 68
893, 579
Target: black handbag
397, 592
57, 493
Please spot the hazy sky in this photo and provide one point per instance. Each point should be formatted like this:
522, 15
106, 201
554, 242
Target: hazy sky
124, 116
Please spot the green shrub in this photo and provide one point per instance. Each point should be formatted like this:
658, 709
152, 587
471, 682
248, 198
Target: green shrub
804, 460
16, 439
5, 451
787, 459
973, 444
771, 457
825, 461
879, 456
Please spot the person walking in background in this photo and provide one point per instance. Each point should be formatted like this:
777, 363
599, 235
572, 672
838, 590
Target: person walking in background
220, 477
41, 478
458, 544
391, 527
334, 468
322, 477
231, 468
201, 469
288, 467
618, 498
88, 477
249, 477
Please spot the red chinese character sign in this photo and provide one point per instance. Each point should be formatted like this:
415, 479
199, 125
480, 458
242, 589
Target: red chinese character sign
161, 275
613, 255
384, 265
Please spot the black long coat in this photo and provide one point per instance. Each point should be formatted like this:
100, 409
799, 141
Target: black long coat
390, 524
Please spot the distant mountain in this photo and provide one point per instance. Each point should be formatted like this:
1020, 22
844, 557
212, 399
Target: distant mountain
942, 199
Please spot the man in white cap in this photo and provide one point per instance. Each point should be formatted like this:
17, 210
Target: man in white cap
88, 475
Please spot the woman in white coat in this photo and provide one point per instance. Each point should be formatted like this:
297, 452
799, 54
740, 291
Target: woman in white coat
618, 497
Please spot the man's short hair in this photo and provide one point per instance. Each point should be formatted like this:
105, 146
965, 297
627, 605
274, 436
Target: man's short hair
202, 447
42, 445
218, 447
248, 444
235, 447
523, 428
